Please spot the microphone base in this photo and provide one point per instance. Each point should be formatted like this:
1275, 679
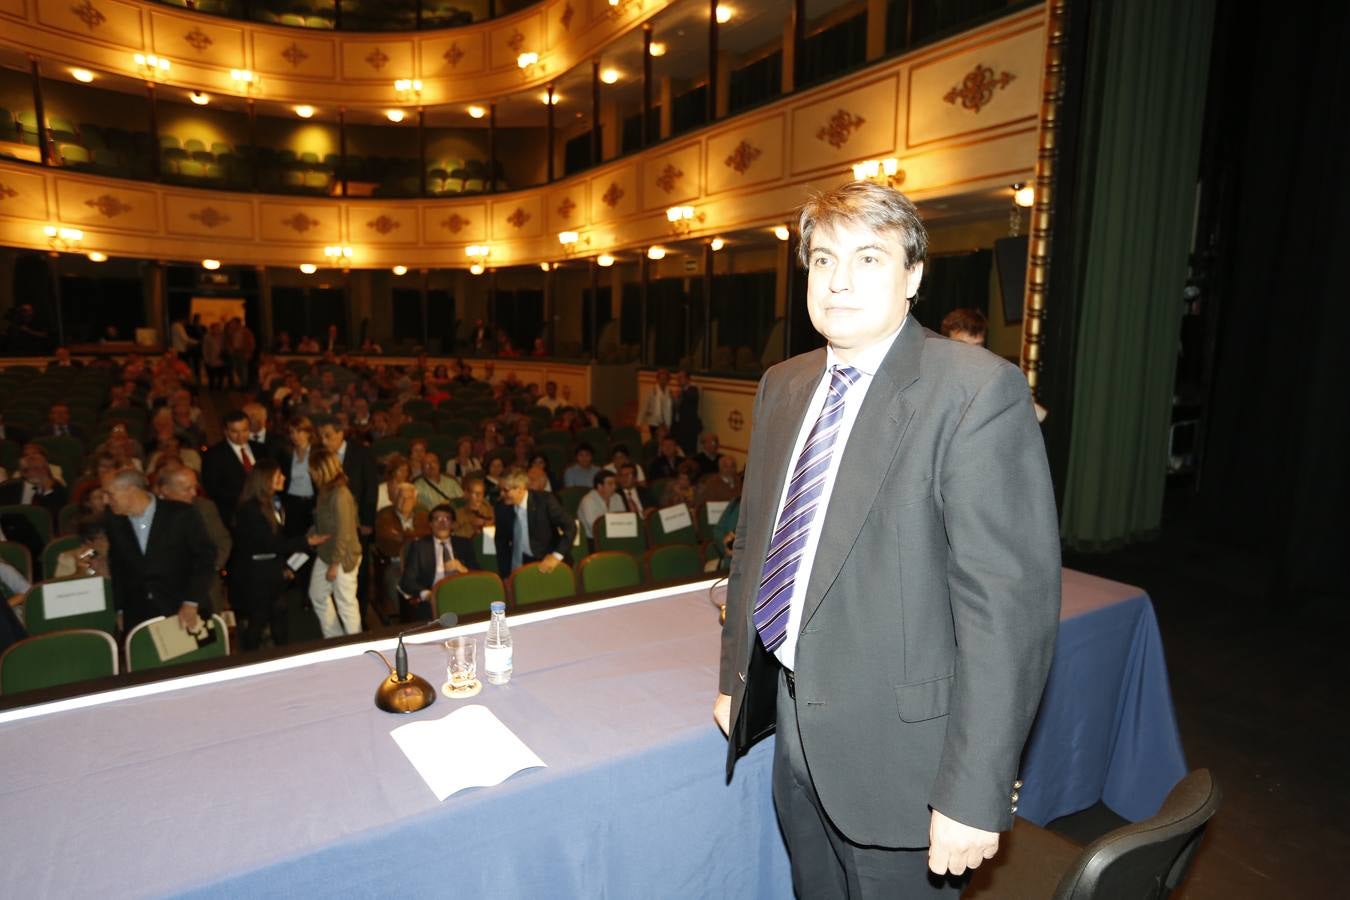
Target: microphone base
407, 696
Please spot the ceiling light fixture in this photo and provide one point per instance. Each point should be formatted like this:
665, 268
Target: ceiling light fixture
724, 14
304, 110
656, 252
658, 48
198, 98
400, 270
781, 232
604, 260
717, 244
1024, 195
476, 269
477, 112
610, 75
394, 115
210, 265
308, 268
527, 59
84, 76
97, 256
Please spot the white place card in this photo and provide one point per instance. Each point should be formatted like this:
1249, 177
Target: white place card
715, 510
673, 518
73, 597
621, 524
489, 540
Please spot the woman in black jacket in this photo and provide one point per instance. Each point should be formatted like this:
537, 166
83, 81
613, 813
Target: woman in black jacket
258, 569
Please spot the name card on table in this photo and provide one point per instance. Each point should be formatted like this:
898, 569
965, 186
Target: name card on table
73, 597
715, 510
621, 524
673, 518
489, 540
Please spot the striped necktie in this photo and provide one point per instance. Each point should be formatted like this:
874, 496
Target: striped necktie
799, 511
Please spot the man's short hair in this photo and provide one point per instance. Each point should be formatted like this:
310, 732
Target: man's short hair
600, 477
440, 508
583, 446
514, 479
168, 471
873, 206
965, 319
624, 467
234, 415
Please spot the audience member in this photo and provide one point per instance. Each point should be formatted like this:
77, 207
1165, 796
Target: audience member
635, 497
90, 557
429, 559
476, 511
967, 325
227, 462
536, 478
177, 482
600, 499
464, 463
656, 407
708, 454
265, 445
298, 494
333, 581
583, 469
396, 472
496, 469
667, 463
171, 449
160, 557
35, 487
681, 488
59, 424
213, 357
685, 424
725, 485
550, 401
397, 526
434, 487
531, 527
359, 465
619, 456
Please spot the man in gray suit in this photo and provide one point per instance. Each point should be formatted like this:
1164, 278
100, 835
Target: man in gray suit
895, 582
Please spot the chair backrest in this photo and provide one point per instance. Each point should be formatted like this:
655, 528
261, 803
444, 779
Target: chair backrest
673, 562
18, 556
1146, 859
59, 657
529, 585
37, 516
51, 553
637, 544
143, 654
471, 592
570, 498
71, 603
609, 570
671, 525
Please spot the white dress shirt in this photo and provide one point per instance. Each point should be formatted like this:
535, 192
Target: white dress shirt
867, 364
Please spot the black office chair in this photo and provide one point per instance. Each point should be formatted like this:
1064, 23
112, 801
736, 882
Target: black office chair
1142, 861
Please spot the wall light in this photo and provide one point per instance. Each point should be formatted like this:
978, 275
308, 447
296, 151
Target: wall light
61, 238
477, 112
338, 252
658, 48
246, 81
550, 100
609, 76
656, 252
304, 111
604, 260
881, 171
198, 98
682, 219
527, 59
1024, 195
409, 86
84, 76
308, 268
210, 265
717, 244
478, 250
567, 237
476, 269
97, 256
394, 115
400, 270
781, 232
543, 266
152, 66
724, 14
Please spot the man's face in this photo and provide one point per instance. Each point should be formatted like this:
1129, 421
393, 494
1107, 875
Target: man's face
431, 466
607, 487
584, 458
858, 288
407, 499
675, 390
331, 437
726, 466
536, 480
516, 496
662, 378
627, 477
59, 414
327, 380
710, 445
441, 523
237, 432
33, 470
476, 493
123, 500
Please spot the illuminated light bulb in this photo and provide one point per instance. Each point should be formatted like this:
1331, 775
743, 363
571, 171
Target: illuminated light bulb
717, 244
567, 237
400, 270
545, 99
609, 76
477, 112
304, 111
724, 14
604, 260
676, 213
394, 115
890, 165
656, 252
97, 256
198, 98
84, 76
243, 76
658, 48
781, 232
1024, 195
527, 59
210, 265
544, 266
477, 250
308, 268
476, 269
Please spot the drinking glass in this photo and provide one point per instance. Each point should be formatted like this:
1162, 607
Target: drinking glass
461, 667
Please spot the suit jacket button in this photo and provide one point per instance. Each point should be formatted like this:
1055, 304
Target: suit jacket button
1013, 797
1013, 809
1017, 785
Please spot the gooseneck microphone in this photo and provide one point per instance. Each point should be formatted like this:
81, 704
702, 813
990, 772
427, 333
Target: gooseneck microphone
400, 691
448, 620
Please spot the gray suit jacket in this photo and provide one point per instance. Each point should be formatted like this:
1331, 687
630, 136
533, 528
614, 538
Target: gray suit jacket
933, 601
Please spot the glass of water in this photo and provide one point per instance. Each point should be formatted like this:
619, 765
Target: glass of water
461, 664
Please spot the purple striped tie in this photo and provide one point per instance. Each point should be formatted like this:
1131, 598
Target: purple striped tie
794, 523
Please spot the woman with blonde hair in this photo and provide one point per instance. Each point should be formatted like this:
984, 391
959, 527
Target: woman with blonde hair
332, 584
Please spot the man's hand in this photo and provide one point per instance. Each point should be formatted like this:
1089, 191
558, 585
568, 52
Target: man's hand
188, 618
722, 712
332, 571
458, 567
953, 847
548, 564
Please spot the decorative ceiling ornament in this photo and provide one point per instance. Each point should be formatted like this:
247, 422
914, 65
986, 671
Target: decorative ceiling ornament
197, 39
377, 59
669, 175
976, 90
735, 421
108, 206
516, 41
210, 217
299, 223
565, 208
613, 194
453, 55
741, 158
455, 223
7, 192
89, 14
518, 218
384, 224
566, 18
294, 55
840, 128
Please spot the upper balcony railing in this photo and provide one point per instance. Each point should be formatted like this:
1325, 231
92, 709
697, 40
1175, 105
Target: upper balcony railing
356, 15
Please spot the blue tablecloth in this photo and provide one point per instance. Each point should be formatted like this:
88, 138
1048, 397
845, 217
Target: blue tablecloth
288, 784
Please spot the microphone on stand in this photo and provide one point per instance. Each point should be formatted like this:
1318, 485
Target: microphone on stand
402, 692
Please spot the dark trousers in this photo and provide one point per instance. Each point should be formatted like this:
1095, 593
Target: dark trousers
825, 864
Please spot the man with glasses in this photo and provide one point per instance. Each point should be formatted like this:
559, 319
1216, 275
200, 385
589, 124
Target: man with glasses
429, 559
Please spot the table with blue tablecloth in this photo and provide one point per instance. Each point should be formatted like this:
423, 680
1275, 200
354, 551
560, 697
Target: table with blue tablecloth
281, 779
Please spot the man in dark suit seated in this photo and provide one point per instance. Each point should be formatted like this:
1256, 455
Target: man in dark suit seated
58, 423
429, 559
531, 527
35, 487
635, 497
225, 464
159, 554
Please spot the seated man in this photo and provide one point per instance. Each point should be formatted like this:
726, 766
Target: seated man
619, 457
532, 526
634, 496
58, 423
602, 498
397, 526
708, 454
969, 326
667, 464
476, 511
37, 487
430, 558
725, 485
434, 487
582, 471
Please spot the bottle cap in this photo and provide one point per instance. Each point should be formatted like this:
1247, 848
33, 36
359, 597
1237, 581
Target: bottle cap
498, 606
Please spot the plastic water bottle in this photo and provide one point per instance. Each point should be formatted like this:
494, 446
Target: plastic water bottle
497, 659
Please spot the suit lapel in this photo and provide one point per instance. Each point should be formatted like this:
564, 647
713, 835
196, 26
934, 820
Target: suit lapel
876, 441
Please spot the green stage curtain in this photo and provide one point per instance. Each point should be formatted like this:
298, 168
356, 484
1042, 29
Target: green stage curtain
1142, 156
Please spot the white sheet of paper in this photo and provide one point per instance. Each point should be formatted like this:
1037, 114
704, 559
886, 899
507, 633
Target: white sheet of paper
489, 540
715, 509
621, 524
468, 748
673, 518
73, 597
171, 641
297, 561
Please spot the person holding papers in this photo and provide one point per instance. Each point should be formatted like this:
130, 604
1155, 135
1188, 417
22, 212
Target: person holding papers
531, 527
258, 566
602, 498
429, 559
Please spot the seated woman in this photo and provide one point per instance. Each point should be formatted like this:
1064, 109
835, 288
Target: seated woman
396, 472
91, 556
